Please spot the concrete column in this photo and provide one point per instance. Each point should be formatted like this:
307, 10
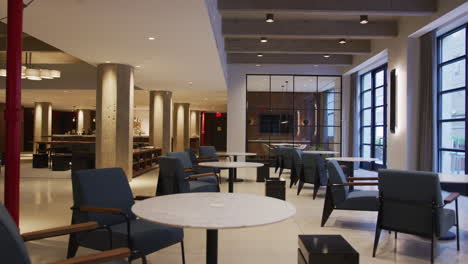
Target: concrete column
114, 117
42, 122
195, 123
160, 120
84, 121
181, 126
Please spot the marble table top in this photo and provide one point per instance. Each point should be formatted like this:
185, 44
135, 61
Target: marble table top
214, 210
322, 152
453, 178
235, 154
352, 159
230, 164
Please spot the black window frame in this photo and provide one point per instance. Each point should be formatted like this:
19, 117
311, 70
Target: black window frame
373, 126
440, 93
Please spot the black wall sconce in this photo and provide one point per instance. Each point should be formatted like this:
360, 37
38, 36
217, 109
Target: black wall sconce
393, 101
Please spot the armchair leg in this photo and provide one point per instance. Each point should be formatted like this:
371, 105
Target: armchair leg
327, 207
183, 251
72, 246
378, 230
395, 246
316, 188
300, 186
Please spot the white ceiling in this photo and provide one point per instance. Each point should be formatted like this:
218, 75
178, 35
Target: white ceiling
117, 30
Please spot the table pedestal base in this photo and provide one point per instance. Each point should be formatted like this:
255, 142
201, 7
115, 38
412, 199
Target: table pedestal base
211, 246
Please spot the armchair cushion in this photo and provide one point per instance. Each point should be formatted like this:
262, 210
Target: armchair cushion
201, 186
361, 200
337, 176
146, 237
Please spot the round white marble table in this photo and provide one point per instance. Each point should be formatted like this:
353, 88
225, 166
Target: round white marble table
321, 152
213, 211
232, 166
234, 155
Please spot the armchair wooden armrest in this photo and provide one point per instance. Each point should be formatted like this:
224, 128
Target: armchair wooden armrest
101, 210
101, 257
451, 197
363, 178
143, 197
196, 176
188, 170
357, 184
59, 231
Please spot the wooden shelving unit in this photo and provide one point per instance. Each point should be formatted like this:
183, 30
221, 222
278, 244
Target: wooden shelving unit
145, 159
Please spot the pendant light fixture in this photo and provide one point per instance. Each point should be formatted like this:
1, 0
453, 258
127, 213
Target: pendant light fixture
30, 73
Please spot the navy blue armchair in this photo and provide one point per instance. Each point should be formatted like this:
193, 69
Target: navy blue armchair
411, 202
104, 196
172, 179
314, 172
209, 174
13, 250
340, 197
297, 169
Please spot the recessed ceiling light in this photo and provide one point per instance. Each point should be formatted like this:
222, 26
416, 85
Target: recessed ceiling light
326, 56
269, 18
107, 61
151, 38
190, 83
315, 65
259, 55
364, 19
342, 41
258, 65
263, 40
138, 66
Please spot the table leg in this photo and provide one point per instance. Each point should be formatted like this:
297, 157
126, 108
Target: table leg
232, 173
211, 246
235, 172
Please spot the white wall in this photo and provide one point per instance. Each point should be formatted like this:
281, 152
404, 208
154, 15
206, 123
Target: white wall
399, 150
236, 123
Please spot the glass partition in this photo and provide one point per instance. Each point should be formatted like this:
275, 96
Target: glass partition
291, 110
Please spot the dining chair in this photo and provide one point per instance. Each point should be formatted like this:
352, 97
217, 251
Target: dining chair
190, 169
13, 249
172, 179
105, 196
411, 202
297, 169
314, 172
339, 196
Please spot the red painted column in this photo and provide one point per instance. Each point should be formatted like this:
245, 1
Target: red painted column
13, 107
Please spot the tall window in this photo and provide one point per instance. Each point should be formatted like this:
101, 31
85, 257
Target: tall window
373, 129
452, 83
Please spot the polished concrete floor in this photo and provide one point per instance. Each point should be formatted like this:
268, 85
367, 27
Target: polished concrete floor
46, 199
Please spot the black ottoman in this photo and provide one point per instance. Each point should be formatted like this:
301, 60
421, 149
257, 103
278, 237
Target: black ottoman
329, 249
276, 188
40, 160
263, 172
61, 162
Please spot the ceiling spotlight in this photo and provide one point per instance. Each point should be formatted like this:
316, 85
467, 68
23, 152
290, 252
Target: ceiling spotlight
190, 83
269, 18
138, 66
263, 40
259, 55
315, 66
342, 41
258, 65
326, 56
364, 19
151, 38
107, 61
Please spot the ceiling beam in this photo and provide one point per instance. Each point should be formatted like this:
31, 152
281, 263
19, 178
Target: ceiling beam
297, 46
351, 7
309, 29
243, 58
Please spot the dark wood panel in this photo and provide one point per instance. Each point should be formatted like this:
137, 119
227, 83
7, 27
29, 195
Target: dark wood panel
216, 131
